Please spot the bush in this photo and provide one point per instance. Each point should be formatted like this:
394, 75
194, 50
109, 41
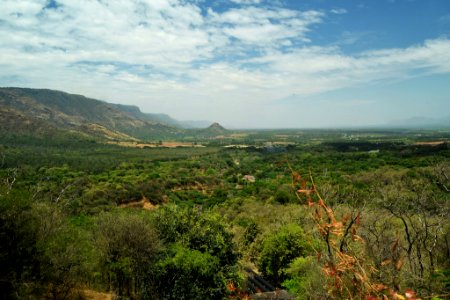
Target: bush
201, 257
189, 274
197, 230
280, 249
305, 279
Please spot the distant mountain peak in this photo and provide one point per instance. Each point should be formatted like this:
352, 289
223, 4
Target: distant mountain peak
216, 126
213, 130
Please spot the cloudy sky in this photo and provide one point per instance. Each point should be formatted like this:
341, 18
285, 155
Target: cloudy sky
243, 63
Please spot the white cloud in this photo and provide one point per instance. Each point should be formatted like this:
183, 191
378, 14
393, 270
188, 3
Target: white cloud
339, 11
177, 57
168, 35
317, 69
246, 2
263, 27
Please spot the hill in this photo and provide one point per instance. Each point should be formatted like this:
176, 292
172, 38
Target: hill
213, 130
149, 117
46, 112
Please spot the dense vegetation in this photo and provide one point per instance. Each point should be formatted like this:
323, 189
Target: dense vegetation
79, 216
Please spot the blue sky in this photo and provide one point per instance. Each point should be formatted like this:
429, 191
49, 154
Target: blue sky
243, 63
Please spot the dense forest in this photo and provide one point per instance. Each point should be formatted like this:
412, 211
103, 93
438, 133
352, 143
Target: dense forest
319, 214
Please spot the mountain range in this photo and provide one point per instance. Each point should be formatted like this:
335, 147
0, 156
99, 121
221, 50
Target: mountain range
46, 112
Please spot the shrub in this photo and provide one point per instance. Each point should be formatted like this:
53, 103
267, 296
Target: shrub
280, 249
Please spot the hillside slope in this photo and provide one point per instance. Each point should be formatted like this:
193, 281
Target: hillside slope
42, 111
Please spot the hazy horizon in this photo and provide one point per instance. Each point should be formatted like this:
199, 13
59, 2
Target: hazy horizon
242, 63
